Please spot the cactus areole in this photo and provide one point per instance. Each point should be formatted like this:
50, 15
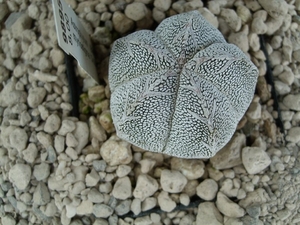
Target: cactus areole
181, 89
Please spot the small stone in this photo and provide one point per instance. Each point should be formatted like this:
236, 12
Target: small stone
165, 202
85, 207
105, 188
207, 189
41, 195
71, 140
67, 126
145, 220
18, 139
293, 135
190, 168
70, 211
52, 124
21, 24
184, 199
92, 178
254, 112
50, 209
96, 130
208, 214
44, 77
136, 206
57, 57
276, 58
122, 23
228, 207
116, 151
123, 170
33, 50
100, 222
9, 96
123, 207
81, 134
20, 175
147, 165
122, 188
244, 13
45, 64
95, 196
254, 41
79, 172
145, 186
158, 15
287, 77
44, 139
258, 26
162, 5
25, 118
275, 8
96, 93
33, 11
253, 210
255, 159
71, 153
240, 39
51, 154
231, 18
149, 203
283, 214
91, 157
102, 210
78, 187
36, 96
106, 122
229, 156
99, 165
59, 143
172, 181
41, 171
136, 11
8, 220
282, 88
30, 153
292, 101
258, 196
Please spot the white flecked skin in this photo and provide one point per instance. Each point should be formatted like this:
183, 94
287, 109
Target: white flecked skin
180, 90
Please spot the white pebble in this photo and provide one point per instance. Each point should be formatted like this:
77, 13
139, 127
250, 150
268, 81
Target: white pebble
122, 188
228, 207
41, 171
145, 187
18, 139
115, 151
162, 5
52, 124
165, 202
255, 159
172, 181
36, 96
20, 175
136, 11
207, 189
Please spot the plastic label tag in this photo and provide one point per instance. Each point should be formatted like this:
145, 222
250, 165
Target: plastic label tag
73, 38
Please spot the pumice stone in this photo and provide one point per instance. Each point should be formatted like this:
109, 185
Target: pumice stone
181, 89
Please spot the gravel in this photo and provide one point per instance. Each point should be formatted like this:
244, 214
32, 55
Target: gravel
58, 169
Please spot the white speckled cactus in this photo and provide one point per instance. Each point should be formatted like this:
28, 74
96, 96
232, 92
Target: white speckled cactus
180, 90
